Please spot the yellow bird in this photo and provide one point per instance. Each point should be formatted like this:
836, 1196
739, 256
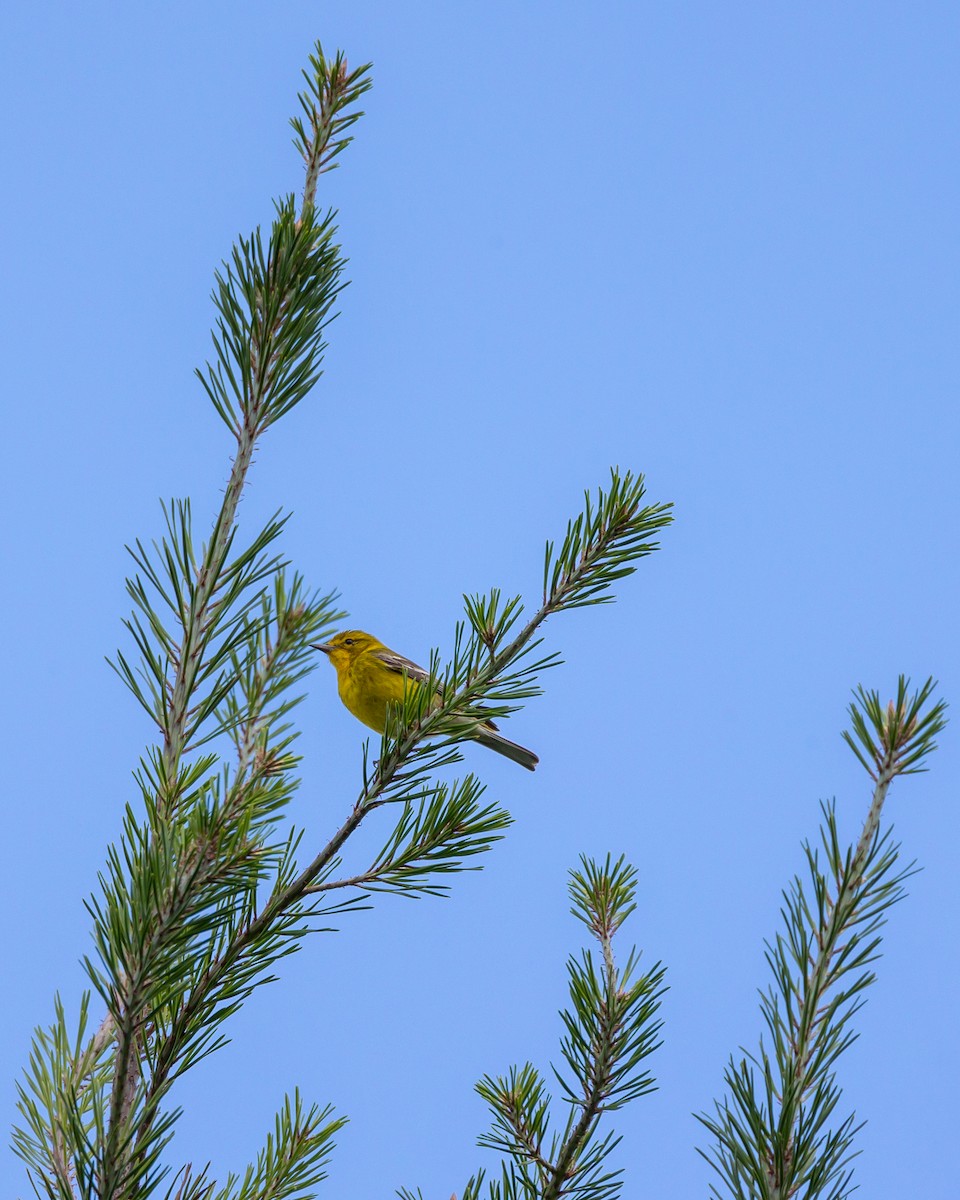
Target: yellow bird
371, 678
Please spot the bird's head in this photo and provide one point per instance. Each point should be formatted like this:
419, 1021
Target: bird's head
344, 648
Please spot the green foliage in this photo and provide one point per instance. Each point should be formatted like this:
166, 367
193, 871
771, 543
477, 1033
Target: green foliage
603, 544
328, 105
899, 737
294, 1159
610, 1030
273, 306
203, 892
435, 836
777, 1133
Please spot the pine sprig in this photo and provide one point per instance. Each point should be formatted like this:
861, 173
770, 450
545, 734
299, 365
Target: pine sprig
434, 836
610, 1030
603, 544
895, 739
776, 1133
329, 110
59, 1115
276, 656
273, 304
294, 1159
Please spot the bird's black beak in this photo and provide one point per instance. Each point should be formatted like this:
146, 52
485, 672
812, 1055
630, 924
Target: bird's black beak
326, 647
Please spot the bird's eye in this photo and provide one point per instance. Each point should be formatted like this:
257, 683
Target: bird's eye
349, 641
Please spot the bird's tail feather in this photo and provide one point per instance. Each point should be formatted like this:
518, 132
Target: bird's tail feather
496, 741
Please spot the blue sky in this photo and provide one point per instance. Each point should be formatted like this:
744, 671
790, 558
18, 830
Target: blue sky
715, 243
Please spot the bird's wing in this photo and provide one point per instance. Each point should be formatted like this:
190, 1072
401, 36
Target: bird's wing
396, 662
402, 666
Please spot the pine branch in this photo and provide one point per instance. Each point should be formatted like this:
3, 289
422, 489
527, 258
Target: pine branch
331, 91
273, 309
294, 1159
611, 1028
435, 836
773, 1135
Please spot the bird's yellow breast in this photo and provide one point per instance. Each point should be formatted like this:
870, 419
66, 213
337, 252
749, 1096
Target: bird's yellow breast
368, 688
